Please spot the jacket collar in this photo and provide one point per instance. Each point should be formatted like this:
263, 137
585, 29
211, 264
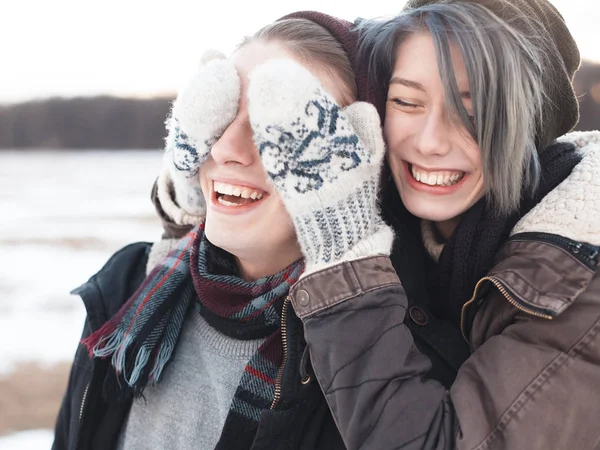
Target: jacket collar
106, 291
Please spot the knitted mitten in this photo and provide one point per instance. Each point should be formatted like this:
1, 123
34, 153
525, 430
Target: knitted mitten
324, 162
200, 114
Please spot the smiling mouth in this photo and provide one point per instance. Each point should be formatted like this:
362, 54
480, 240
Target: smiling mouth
441, 178
234, 196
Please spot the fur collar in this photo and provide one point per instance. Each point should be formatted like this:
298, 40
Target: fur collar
572, 210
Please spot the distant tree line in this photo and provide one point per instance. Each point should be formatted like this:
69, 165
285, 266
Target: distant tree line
85, 123
124, 123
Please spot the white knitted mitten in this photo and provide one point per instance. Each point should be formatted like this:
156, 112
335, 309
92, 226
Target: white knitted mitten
324, 161
200, 114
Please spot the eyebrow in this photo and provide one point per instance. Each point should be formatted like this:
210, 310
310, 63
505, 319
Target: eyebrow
407, 83
419, 87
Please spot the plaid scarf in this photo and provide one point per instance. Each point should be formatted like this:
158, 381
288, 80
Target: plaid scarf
141, 338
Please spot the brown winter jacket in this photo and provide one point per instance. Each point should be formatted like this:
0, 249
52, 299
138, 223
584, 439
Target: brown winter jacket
533, 378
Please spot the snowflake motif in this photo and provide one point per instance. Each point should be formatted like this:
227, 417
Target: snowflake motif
312, 149
187, 154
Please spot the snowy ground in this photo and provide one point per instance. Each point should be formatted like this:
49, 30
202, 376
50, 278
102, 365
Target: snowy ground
27, 440
62, 214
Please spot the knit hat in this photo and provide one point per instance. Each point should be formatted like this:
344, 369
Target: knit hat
343, 31
541, 17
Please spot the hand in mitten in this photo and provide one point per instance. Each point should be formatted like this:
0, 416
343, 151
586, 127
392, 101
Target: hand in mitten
201, 113
324, 161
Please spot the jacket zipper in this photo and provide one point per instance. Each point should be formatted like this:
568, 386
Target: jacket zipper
284, 309
507, 295
81, 408
585, 253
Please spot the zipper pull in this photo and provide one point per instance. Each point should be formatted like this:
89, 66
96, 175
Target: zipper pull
305, 377
590, 252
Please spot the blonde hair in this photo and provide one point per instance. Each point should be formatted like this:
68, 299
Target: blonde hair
312, 44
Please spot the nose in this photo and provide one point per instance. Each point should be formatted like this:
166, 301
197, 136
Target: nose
236, 146
433, 139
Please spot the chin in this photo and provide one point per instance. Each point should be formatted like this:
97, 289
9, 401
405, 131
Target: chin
432, 211
221, 236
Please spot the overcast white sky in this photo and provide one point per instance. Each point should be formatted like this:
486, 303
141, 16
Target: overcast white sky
131, 47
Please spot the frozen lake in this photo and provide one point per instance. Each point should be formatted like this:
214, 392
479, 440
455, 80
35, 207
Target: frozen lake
62, 215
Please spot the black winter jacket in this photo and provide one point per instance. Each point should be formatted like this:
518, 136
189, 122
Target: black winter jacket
301, 419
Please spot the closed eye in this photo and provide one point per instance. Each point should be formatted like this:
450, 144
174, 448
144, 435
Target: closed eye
402, 103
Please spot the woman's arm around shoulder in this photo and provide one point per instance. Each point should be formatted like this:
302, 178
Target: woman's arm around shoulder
531, 382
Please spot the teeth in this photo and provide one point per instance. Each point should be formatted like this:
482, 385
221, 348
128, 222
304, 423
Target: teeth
223, 188
438, 178
236, 191
222, 201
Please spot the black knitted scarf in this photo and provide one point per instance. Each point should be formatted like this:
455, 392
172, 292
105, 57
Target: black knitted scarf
469, 253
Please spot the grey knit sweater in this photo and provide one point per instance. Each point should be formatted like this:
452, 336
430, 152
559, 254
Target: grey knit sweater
187, 409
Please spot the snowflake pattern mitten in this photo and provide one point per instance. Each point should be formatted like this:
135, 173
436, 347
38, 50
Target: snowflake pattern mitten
324, 161
200, 114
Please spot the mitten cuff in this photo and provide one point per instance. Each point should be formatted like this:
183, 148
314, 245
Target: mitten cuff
158, 252
378, 243
166, 191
